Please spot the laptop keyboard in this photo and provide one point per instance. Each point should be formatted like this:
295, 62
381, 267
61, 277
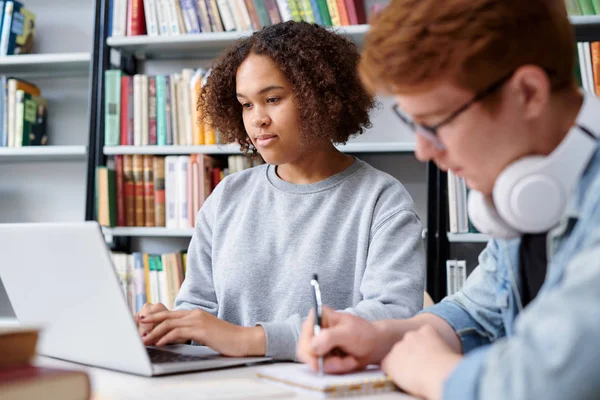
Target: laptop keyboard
158, 356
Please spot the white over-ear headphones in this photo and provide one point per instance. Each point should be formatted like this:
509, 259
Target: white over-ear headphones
531, 194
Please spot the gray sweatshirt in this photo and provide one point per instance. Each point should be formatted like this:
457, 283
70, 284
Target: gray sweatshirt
259, 239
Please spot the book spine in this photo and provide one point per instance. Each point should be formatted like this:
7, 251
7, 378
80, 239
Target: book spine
295, 10
139, 281
6, 27
190, 16
246, 22
352, 17
334, 13
263, 15
203, 16
595, 49
284, 9
188, 109
124, 110
273, 11
314, 5
136, 22
144, 110
171, 16
213, 14
182, 188
148, 190
307, 11
253, 14
112, 107
19, 110
161, 126
138, 181
172, 218
161, 18
159, 191
119, 175
129, 190
152, 110
322, 4
151, 17
345, 21
168, 111
174, 78
137, 110
179, 14
196, 87
3, 111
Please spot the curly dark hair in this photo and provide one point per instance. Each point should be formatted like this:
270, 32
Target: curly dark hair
321, 67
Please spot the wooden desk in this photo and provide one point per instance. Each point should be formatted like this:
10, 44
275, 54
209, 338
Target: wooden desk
108, 385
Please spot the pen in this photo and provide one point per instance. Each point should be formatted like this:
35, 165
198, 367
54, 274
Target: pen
318, 313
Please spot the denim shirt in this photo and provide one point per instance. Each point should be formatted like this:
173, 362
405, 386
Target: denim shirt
550, 349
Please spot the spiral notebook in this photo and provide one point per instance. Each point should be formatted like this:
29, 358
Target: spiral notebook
370, 381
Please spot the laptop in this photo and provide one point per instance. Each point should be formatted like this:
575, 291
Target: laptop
60, 276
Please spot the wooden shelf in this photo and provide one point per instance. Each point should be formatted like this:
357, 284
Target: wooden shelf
192, 45
42, 153
57, 64
468, 238
157, 232
384, 147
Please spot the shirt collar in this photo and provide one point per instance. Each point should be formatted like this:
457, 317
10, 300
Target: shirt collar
588, 118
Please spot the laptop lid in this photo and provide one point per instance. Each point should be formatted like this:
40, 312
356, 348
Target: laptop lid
61, 276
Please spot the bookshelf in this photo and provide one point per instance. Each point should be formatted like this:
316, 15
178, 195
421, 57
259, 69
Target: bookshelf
43, 153
192, 45
384, 147
53, 176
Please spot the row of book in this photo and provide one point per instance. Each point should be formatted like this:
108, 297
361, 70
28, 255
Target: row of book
588, 71
456, 275
458, 216
583, 7
162, 110
150, 278
177, 17
154, 191
17, 28
23, 114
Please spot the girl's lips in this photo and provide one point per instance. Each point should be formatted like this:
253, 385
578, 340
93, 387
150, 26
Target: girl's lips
265, 140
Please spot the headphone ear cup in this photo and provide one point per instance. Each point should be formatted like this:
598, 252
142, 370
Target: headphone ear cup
528, 196
486, 219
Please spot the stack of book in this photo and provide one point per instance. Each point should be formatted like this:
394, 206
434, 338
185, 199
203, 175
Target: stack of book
154, 191
588, 66
20, 379
17, 27
162, 110
178, 17
23, 114
150, 278
458, 215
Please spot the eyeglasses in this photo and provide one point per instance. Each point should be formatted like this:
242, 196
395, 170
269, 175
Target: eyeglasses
430, 132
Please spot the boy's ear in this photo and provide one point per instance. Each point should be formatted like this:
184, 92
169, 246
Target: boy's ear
532, 86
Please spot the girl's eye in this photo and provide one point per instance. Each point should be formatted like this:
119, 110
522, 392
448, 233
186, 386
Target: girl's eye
246, 105
272, 100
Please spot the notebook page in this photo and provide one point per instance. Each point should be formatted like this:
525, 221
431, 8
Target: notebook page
300, 375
